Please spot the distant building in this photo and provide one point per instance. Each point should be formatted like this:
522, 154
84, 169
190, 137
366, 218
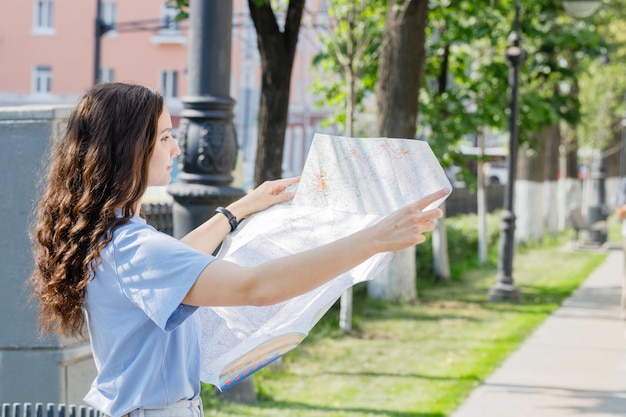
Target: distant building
47, 50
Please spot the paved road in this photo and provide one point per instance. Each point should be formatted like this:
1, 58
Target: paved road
574, 364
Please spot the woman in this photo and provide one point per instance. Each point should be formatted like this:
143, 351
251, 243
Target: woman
98, 263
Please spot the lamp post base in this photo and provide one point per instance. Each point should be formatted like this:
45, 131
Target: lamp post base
504, 292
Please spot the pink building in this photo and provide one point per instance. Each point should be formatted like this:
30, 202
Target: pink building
47, 50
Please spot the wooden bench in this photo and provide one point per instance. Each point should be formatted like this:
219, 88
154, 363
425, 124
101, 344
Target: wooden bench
579, 224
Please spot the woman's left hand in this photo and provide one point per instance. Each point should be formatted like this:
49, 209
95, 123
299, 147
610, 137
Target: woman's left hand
262, 197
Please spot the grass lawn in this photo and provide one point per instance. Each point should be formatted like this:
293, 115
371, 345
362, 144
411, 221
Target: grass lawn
421, 359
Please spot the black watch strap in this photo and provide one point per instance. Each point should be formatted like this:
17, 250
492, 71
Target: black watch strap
231, 219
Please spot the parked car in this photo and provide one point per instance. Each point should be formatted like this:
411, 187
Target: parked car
497, 173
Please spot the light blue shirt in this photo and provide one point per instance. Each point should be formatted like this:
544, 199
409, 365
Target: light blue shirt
144, 341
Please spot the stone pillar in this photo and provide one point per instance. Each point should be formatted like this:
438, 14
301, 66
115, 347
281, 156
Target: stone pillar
33, 370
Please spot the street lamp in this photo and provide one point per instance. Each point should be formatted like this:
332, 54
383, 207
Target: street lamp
581, 8
102, 28
505, 289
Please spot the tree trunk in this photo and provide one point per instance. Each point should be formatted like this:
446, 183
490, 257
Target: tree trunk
481, 201
400, 74
551, 176
440, 248
441, 261
528, 190
277, 50
612, 153
615, 169
401, 68
570, 188
346, 301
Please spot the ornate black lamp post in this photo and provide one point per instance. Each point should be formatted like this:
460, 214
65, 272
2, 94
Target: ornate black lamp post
206, 132
505, 289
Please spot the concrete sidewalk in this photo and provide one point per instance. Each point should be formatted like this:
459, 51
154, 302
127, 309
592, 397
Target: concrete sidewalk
574, 364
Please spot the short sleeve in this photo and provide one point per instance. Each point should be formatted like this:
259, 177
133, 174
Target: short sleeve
156, 271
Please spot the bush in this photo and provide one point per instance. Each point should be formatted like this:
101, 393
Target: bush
462, 236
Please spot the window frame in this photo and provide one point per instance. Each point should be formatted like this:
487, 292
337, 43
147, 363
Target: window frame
109, 17
42, 74
168, 83
43, 17
107, 74
170, 31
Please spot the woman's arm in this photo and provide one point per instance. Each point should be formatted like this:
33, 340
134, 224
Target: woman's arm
210, 234
226, 284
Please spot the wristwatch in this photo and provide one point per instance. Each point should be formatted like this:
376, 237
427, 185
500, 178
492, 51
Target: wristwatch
231, 219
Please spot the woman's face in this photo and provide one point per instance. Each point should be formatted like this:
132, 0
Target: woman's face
165, 149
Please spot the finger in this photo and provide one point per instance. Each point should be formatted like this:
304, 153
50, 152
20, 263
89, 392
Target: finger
427, 227
280, 185
287, 181
427, 200
291, 180
431, 214
282, 197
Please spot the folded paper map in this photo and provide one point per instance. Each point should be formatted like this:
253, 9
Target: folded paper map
347, 184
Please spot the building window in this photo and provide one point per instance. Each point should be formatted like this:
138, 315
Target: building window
169, 83
109, 15
169, 24
170, 30
43, 23
42, 80
107, 75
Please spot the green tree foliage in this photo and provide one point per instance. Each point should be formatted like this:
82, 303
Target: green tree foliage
277, 49
603, 84
560, 49
277, 43
466, 71
350, 46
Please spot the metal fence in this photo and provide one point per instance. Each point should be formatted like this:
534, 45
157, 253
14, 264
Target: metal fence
159, 216
48, 410
462, 201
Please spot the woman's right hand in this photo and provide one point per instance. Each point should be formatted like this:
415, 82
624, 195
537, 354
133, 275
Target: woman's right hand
223, 283
406, 226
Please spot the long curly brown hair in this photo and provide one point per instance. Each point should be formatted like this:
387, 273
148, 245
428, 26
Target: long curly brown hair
98, 165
